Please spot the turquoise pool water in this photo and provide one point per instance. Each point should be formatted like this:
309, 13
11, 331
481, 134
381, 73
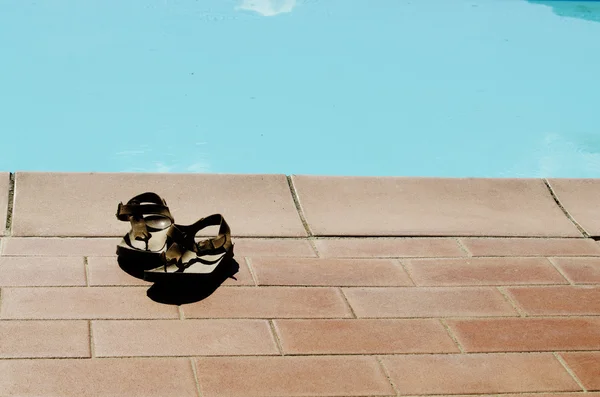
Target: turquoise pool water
493, 88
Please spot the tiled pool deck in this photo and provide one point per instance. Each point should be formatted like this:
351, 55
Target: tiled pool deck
346, 287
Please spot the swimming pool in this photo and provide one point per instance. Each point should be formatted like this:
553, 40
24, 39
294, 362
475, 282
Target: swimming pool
482, 88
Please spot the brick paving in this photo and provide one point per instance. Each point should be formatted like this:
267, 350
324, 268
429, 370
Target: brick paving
346, 287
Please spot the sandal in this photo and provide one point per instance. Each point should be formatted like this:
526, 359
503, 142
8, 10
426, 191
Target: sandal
185, 257
151, 221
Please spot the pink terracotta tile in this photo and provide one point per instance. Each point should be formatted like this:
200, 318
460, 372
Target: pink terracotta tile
531, 246
4, 187
586, 367
428, 302
559, 300
430, 207
388, 247
527, 334
105, 271
273, 247
82, 303
57, 246
579, 197
483, 271
114, 338
573, 394
580, 270
270, 302
19, 271
363, 336
478, 374
328, 272
292, 376
38, 339
58, 204
126, 377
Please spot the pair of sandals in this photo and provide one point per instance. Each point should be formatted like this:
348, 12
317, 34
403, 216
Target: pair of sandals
164, 250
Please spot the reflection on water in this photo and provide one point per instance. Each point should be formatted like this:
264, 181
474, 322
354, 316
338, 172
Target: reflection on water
582, 9
559, 156
268, 8
180, 159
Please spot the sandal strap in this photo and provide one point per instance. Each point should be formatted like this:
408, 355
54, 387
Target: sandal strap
152, 204
124, 211
173, 256
184, 239
140, 205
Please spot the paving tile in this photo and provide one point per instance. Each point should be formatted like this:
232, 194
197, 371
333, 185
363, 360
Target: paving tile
430, 207
292, 376
363, 337
580, 270
57, 246
38, 339
527, 334
586, 367
129, 338
58, 204
4, 187
428, 302
572, 394
388, 247
531, 246
41, 271
105, 271
477, 373
483, 271
579, 197
329, 272
270, 302
98, 378
82, 303
273, 247
559, 300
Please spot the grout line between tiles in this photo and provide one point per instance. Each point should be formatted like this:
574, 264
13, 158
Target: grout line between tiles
511, 302
328, 236
558, 269
91, 334
564, 210
313, 355
251, 270
276, 337
451, 334
313, 245
410, 277
387, 375
569, 371
399, 318
378, 286
298, 206
345, 298
87, 271
10, 205
463, 247
195, 373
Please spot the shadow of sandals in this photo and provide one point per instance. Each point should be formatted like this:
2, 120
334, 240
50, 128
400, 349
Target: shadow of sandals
184, 290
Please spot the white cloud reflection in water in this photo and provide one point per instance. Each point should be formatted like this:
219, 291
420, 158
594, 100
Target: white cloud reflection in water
556, 156
267, 8
145, 159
